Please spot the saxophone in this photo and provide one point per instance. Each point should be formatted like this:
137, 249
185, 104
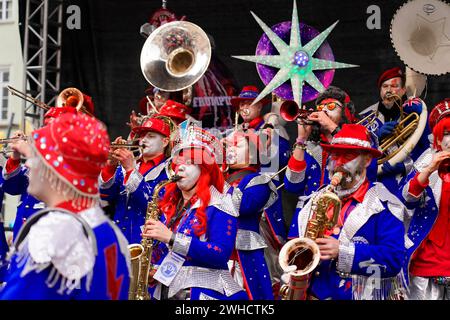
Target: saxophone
141, 253
299, 257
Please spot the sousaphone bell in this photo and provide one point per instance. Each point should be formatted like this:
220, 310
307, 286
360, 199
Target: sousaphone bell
175, 56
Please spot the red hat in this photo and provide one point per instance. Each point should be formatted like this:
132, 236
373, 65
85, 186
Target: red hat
74, 147
175, 110
248, 93
439, 112
143, 106
390, 74
154, 125
352, 137
88, 103
55, 112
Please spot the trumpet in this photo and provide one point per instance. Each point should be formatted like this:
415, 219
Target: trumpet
129, 145
290, 111
28, 98
72, 97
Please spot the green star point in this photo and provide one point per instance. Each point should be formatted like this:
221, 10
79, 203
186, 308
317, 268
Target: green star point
297, 74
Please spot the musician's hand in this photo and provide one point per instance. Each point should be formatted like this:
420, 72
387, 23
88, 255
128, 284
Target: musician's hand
325, 122
151, 281
112, 158
157, 230
126, 159
436, 161
329, 248
386, 129
134, 120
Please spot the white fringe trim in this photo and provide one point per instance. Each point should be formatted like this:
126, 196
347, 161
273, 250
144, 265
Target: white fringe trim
66, 285
375, 288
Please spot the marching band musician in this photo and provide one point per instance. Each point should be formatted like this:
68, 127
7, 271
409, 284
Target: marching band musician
334, 109
130, 184
200, 227
70, 250
272, 223
15, 175
16, 181
251, 192
427, 193
367, 242
392, 88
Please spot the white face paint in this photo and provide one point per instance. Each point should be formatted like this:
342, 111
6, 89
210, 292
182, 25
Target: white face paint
36, 187
153, 144
238, 153
446, 141
354, 170
189, 173
249, 112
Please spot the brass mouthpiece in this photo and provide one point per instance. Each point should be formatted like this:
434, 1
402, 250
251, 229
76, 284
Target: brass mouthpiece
175, 178
244, 112
336, 179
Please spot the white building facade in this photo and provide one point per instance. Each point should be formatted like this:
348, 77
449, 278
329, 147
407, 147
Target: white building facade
11, 73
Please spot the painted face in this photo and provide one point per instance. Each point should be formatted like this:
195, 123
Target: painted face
248, 112
446, 141
35, 186
333, 109
160, 98
391, 87
351, 163
153, 144
189, 173
238, 152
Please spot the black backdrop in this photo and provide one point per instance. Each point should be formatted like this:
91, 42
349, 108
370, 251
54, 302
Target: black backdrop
102, 58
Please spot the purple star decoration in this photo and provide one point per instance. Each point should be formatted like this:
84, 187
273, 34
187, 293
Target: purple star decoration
301, 58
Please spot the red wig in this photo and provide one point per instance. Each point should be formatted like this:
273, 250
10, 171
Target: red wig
210, 175
438, 132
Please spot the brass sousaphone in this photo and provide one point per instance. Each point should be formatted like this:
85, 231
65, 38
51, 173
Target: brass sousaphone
420, 37
175, 56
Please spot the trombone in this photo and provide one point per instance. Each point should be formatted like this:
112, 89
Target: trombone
12, 140
28, 98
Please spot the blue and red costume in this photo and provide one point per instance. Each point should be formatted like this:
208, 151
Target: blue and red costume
90, 259
131, 192
15, 183
205, 269
252, 192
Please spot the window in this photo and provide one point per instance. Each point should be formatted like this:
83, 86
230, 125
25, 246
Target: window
4, 81
5, 10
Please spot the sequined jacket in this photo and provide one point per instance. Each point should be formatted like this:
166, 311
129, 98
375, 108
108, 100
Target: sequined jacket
371, 246
131, 198
305, 182
16, 183
394, 183
280, 149
206, 256
423, 210
60, 256
253, 193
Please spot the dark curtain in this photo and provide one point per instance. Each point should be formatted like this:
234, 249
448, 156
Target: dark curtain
102, 59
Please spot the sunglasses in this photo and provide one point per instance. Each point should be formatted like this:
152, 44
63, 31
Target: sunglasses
329, 106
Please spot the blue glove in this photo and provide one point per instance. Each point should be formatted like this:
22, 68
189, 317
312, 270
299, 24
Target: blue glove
415, 106
389, 170
386, 129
